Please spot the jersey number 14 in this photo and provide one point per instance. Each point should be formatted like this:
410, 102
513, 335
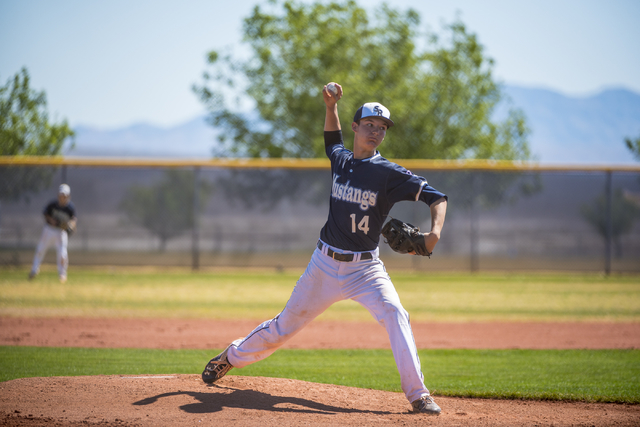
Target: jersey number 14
363, 225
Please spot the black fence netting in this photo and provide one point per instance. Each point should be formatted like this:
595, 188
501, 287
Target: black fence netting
200, 217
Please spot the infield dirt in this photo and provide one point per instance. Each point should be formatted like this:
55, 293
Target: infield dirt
184, 400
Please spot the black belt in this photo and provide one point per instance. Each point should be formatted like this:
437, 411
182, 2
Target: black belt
344, 257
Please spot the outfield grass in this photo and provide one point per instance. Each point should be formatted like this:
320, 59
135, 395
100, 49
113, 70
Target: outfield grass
591, 375
260, 295
586, 375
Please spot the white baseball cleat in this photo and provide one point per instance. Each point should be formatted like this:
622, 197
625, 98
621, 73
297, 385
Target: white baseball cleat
426, 405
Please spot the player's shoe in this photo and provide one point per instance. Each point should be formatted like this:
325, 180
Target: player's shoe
32, 275
217, 367
426, 405
63, 278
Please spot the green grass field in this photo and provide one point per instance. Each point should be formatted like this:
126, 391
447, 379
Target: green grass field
586, 375
591, 375
261, 295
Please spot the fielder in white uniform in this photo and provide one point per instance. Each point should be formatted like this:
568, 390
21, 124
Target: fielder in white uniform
345, 264
59, 215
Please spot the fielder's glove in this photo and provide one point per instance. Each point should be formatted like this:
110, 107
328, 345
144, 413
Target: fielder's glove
403, 237
64, 222
70, 228
67, 226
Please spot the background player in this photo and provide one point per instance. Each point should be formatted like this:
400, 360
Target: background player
60, 220
345, 264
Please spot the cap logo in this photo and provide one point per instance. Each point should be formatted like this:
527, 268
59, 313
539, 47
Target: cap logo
373, 109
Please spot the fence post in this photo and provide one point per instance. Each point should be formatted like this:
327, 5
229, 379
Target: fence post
195, 247
609, 223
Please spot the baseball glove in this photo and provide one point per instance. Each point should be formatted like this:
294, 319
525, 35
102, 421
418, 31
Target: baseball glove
403, 238
63, 221
69, 227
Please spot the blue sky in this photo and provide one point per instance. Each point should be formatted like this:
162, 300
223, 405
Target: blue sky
110, 64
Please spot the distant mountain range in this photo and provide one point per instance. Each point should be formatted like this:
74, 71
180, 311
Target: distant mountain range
193, 139
566, 130
580, 130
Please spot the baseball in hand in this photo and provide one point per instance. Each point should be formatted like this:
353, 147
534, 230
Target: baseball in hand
332, 89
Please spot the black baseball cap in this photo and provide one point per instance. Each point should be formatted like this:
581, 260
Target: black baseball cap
374, 109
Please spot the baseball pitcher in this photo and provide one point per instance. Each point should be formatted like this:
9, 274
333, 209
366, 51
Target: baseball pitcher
345, 263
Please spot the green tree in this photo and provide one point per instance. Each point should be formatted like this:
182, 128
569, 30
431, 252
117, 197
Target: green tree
633, 146
442, 96
25, 129
167, 208
624, 213
24, 122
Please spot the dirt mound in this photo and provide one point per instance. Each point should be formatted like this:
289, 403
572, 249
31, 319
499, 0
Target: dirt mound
177, 400
181, 400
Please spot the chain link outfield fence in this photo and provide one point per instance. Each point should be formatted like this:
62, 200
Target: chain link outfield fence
268, 214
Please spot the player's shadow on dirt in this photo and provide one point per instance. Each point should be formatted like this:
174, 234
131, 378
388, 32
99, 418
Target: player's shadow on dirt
251, 399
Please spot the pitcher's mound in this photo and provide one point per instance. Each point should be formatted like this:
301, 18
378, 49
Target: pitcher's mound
184, 400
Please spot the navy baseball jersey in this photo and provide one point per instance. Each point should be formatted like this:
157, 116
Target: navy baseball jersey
59, 212
363, 193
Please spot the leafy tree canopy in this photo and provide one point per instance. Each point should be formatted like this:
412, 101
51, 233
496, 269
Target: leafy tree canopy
25, 130
624, 213
24, 122
442, 97
634, 146
166, 209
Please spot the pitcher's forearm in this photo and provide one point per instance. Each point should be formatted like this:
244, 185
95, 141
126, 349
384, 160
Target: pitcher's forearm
438, 213
332, 121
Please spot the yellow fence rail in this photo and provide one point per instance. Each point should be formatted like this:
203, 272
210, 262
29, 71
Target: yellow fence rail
253, 163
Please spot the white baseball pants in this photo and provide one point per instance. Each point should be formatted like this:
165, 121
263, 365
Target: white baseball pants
59, 238
324, 283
